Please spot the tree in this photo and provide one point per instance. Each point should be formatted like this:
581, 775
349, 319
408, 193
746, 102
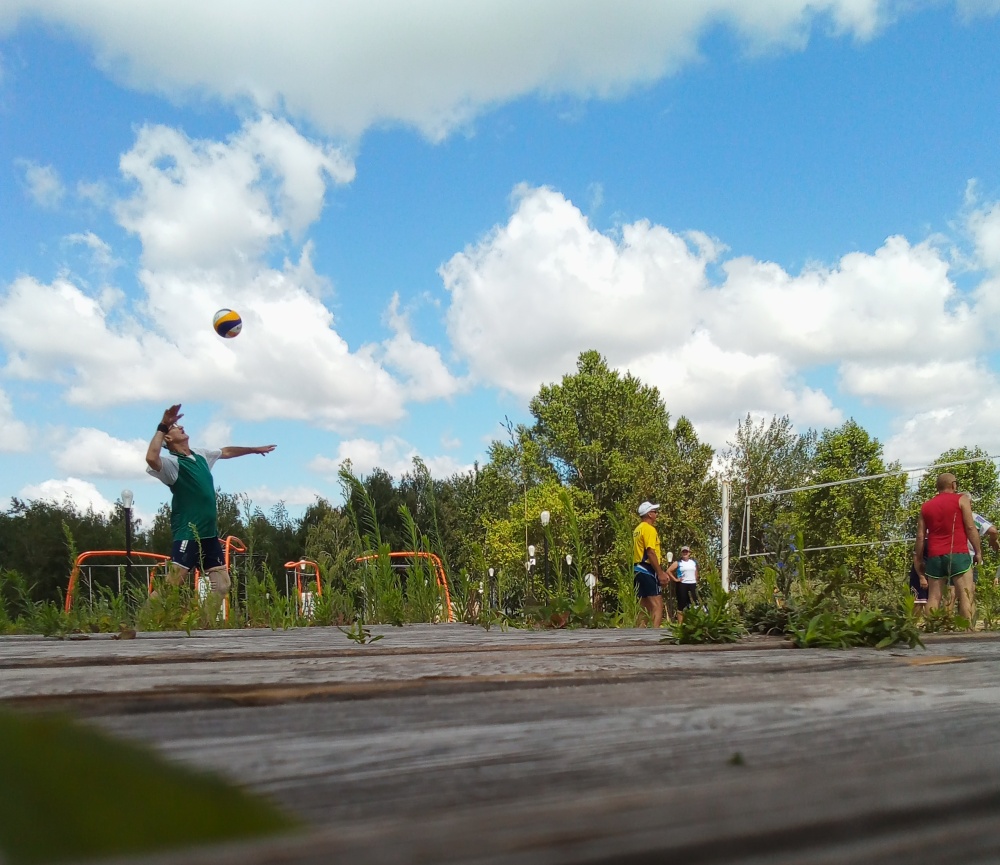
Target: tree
978, 478
764, 458
38, 539
607, 438
854, 513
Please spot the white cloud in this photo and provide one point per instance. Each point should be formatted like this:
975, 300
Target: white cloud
208, 204
922, 437
83, 494
715, 387
393, 454
449, 442
15, 436
86, 342
974, 8
42, 183
101, 254
873, 307
533, 293
434, 66
299, 496
424, 373
95, 193
217, 434
984, 227
208, 214
95, 454
916, 384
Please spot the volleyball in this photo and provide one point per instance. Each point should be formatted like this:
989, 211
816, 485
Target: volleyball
227, 323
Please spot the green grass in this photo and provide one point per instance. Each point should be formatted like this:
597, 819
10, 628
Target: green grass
68, 792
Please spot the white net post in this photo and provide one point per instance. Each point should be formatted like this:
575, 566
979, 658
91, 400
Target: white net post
725, 536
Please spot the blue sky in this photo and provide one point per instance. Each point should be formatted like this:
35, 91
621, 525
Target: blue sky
762, 208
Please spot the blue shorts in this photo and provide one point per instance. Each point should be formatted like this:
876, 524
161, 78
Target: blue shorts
918, 593
646, 584
203, 555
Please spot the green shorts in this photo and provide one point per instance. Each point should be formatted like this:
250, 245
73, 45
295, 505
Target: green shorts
947, 566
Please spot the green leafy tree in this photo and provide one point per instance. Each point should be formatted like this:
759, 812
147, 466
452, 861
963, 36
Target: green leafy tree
33, 541
606, 437
976, 473
764, 457
855, 513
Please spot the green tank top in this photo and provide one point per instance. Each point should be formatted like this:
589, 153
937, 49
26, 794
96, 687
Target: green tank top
193, 511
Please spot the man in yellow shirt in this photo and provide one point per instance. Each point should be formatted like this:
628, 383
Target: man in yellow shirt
649, 575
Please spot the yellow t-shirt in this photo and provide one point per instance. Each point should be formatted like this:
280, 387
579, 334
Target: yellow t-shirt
644, 537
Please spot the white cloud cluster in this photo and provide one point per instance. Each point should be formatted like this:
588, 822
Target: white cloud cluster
432, 65
546, 285
42, 183
393, 454
211, 204
209, 214
82, 494
95, 454
101, 255
15, 437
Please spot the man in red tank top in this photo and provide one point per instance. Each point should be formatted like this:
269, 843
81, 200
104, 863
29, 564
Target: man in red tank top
947, 527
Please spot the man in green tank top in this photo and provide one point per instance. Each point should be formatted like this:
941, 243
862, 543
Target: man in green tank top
194, 523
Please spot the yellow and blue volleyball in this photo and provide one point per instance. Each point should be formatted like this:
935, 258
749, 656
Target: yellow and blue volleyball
227, 323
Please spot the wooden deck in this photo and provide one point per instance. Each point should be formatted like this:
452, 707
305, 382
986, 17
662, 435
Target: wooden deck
448, 743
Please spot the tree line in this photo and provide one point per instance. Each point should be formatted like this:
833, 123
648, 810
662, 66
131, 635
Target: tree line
599, 442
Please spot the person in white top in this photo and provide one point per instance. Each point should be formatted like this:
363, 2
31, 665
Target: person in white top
987, 535
685, 572
987, 531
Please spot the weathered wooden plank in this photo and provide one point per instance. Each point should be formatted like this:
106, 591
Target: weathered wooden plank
443, 744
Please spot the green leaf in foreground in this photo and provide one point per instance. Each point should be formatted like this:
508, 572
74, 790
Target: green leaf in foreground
70, 792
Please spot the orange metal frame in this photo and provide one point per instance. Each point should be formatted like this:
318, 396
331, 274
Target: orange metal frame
442, 580
74, 574
231, 543
313, 566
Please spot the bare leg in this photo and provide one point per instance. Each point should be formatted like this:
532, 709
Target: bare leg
176, 575
657, 610
218, 584
965, 592
218, 579
934, 588
653, 605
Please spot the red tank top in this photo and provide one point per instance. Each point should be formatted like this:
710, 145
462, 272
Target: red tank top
945, 526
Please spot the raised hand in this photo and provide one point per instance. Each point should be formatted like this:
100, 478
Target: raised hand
172, 415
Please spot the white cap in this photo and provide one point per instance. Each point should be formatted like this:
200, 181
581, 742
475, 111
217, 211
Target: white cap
646, 507
685, 549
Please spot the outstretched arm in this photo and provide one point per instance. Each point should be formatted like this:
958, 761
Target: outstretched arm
971, 532
170, 417
232, 451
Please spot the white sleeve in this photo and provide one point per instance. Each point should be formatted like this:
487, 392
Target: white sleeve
211, 455
168, 469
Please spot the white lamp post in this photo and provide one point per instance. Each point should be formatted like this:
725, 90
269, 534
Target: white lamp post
127, 499
544, 516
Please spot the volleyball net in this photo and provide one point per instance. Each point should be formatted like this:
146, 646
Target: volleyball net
792, 496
